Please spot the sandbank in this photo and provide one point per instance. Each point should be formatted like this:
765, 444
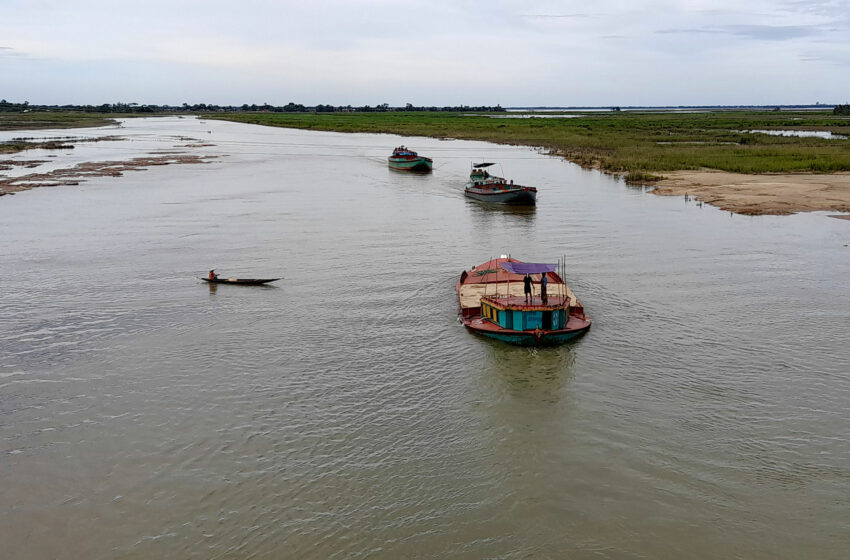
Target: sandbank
764, 194
81, 172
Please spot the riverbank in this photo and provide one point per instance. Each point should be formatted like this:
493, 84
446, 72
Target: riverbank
657, 149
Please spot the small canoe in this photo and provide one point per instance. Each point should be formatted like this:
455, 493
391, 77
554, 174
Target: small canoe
241, 281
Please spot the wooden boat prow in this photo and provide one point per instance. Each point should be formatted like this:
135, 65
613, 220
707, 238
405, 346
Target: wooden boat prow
492, 302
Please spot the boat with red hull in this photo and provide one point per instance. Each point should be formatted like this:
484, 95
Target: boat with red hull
493, 303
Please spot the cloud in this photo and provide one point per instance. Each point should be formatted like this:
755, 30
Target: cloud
11, 53
510, 52
771, 32
555, 16
757, 32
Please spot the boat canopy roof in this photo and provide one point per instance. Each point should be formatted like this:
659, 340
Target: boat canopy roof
528, 268
482, 164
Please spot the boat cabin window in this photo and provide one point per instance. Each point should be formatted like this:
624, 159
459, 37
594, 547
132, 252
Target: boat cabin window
525, 320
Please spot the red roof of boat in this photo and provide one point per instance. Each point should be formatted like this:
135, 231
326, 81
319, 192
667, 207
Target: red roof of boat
491, 272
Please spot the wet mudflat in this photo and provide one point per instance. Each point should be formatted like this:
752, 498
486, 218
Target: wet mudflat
344, 413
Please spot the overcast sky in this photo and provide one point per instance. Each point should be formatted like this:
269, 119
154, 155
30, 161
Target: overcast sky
437, 52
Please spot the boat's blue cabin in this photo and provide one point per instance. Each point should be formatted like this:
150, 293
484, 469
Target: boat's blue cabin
518, 316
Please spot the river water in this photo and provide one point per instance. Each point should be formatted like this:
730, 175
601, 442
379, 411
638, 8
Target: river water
344, 412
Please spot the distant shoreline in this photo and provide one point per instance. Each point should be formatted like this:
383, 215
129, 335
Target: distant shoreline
766, 192
710, 156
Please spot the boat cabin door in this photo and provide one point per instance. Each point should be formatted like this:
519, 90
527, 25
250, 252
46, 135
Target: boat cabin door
547, 320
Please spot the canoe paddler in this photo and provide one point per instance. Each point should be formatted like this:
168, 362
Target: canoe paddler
213, 275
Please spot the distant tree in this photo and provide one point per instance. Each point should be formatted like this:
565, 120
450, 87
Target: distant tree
616, 109
841, 110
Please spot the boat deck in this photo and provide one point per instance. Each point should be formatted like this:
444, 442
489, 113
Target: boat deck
536, 303
470, 294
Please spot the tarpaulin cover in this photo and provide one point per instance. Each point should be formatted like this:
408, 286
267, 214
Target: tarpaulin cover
528, 268
482, 164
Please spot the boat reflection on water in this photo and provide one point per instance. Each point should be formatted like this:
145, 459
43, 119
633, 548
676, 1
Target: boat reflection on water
539, 373
483, 208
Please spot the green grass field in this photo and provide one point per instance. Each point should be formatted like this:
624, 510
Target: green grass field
641, 145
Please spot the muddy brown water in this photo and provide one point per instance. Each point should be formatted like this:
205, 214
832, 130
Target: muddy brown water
343, 412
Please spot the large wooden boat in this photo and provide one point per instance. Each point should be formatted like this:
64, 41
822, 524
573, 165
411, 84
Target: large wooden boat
496, 190
405, 159
493, 303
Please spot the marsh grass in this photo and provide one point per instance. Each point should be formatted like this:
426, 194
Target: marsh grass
35, 120
640, 145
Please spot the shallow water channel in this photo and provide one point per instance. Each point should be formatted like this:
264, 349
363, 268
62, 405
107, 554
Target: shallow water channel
344, 412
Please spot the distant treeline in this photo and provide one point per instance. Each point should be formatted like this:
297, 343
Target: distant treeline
841, 110
5, 106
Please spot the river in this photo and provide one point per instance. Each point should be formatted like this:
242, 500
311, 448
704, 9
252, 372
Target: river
343, 412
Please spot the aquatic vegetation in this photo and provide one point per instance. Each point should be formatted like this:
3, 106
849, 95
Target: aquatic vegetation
49, 119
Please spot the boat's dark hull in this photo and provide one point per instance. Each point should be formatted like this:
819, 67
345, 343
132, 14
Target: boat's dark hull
517, 197
528, 338
241, 281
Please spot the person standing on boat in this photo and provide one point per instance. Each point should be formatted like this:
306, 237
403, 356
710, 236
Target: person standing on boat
543, 282
527, 285
213, 275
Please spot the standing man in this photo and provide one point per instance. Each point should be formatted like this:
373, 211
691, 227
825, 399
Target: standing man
543, 282
527, 285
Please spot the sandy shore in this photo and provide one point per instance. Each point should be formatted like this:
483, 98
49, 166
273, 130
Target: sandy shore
81, 172
775, 194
